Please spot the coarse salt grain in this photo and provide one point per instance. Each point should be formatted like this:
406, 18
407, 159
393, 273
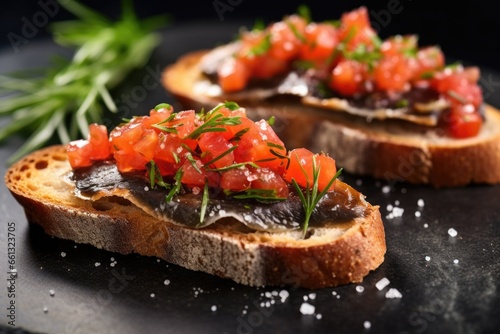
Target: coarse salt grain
360, 288
367, 324
455, 261
214, 308
63, 254
284, 295
417, 214
393, 293
427, 258
386, 189
166, 282
152, 295
312, 295
319, 316
382, 283
307, 308
45, 309
452, 232
52, 293
97, 264
420, 202
426, 225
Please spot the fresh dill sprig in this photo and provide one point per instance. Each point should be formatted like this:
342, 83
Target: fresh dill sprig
66, 97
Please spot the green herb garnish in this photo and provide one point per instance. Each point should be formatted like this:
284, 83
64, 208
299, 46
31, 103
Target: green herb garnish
214, 124
155, 177
222, 155
68, 96
261, 195
304, 12
177, 186
262, 47
204, 202
309, 196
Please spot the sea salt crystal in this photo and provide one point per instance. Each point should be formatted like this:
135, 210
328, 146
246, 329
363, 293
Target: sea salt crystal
319, 316
396, 202
417, 214
146, 188
455, 261
166, 282
360, 288
284, 295
307, 308
152, 295
312, 296
382, 283
452, 232
393, 293
427, 258
214, 308
45, 309
359, 182
63, 254
97, 264
386, 189
426, 225
420, 202
334, 293
389, 207
305, 298
52, 293
367, 324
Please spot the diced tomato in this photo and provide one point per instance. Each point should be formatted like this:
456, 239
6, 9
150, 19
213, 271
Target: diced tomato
428, 60
129, 160
392, 74
197, 176
99, 142
267, 179
172, 149
286, 38
79, 153
157, 116
233, 74
262, 146
124, 137
320, 42
213, 146
457, 87
183, 122
236, 179
355, 29
461, 122
347, 77
301, 168
266, 67
146, 145
399, 44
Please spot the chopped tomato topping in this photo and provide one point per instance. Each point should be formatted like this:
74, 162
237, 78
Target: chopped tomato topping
348, 59
221, 148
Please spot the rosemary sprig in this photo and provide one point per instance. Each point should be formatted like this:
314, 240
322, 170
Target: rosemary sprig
214, 124
68, 96
309, 196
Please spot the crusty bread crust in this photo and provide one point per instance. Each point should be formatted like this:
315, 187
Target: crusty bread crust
390, 149
330, 256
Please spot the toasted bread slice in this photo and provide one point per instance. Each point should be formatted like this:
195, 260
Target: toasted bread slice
337, 254
388, 149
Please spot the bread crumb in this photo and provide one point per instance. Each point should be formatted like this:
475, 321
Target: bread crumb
393, 293
367, 324
420, 202
307, 308
452, 232
360, 288
380, 285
